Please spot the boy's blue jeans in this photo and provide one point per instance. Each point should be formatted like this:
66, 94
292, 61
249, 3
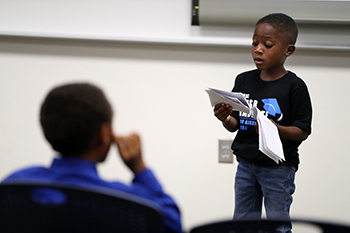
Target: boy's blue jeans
275, 184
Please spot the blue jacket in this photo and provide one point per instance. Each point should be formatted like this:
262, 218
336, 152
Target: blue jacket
84, 173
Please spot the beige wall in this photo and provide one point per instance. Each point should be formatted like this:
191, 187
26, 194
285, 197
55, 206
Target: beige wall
158, 90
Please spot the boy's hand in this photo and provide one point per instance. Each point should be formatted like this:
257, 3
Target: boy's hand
257, 125
222, 112
130, 151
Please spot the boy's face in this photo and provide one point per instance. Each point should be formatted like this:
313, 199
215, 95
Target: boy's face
269, 48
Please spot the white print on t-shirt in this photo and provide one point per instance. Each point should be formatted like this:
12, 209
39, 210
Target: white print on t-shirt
271, 108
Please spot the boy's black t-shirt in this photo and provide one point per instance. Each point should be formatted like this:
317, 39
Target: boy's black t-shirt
286, 101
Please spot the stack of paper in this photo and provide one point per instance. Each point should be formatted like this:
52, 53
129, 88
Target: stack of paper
235, 99
269, 141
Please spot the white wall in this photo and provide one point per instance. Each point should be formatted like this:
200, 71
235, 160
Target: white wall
158, 90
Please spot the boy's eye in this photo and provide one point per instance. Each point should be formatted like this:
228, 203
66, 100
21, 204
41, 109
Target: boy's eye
255, 44
269, 46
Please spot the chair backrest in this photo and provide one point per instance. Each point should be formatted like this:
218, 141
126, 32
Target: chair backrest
270, 226
51, 208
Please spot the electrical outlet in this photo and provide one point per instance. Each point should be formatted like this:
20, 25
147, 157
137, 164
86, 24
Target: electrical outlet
225, 151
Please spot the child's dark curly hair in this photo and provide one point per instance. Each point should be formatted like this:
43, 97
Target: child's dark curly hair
71, 116
283, 24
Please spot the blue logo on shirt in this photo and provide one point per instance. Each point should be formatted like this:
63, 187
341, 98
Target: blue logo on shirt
272, 108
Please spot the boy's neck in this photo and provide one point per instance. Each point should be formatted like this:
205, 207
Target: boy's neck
267, 75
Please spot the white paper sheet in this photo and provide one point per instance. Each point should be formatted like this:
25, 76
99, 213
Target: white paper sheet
269, 140
236, 100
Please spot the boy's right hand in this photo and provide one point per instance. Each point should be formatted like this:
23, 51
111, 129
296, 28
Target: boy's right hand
130, 151
222, 111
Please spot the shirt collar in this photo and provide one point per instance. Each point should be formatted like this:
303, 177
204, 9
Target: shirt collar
77, 164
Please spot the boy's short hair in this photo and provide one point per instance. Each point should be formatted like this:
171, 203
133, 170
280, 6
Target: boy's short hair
71, 116
283, 24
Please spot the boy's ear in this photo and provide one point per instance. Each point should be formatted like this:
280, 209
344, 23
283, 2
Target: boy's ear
106, 133
290, 49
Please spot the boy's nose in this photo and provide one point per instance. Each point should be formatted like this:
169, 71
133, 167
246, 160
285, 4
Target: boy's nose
258, 50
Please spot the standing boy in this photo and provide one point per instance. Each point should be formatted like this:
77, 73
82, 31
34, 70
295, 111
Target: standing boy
284, 99
77, 122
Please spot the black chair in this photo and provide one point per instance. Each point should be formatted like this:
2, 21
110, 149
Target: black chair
51, 208
269, 226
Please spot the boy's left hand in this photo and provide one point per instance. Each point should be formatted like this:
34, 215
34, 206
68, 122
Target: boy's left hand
130, 151
257, 125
